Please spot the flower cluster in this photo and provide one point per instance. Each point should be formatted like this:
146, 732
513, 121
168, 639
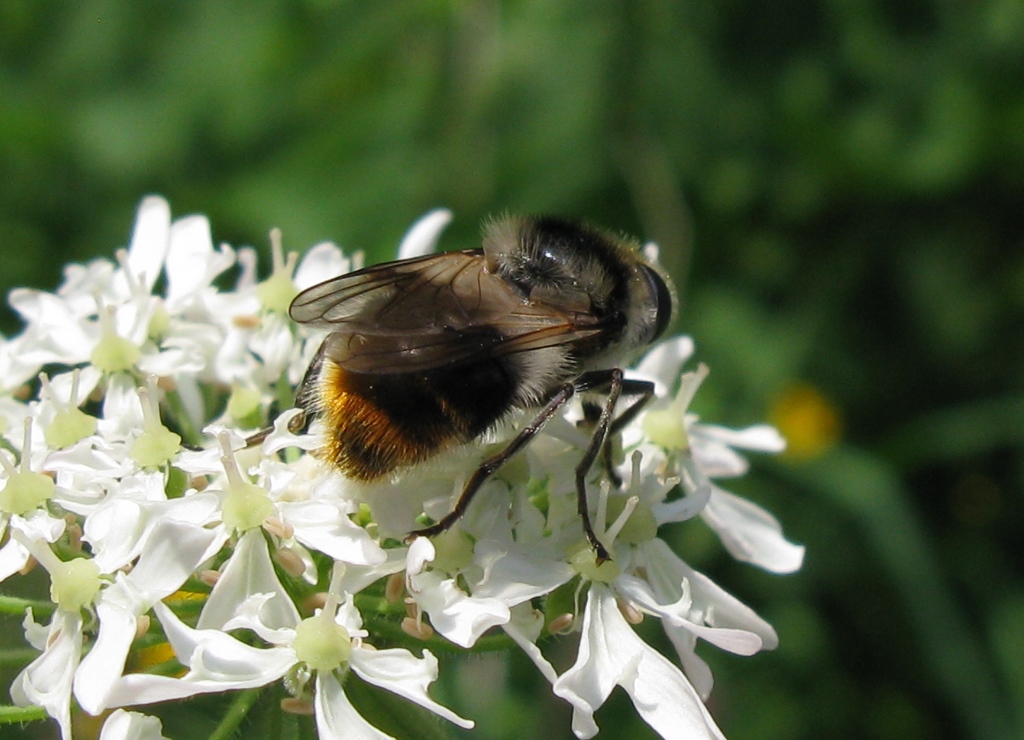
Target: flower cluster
132, 474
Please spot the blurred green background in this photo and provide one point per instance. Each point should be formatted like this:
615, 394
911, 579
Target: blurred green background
837, 185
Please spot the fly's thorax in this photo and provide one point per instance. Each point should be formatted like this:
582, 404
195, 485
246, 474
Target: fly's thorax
603, 282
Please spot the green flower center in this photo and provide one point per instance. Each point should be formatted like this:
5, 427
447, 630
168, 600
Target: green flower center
321, 643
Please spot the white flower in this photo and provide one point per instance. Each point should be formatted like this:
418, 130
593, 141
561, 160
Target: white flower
249, 572
171, 554
118, 462
327, 643
612, 655
497, 575
298, 503
421, 239
122, 725
749, 532
46, 681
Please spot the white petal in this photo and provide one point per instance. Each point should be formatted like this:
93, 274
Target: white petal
698, 492
249, 571
358, 577
666, 573
717, 460
739, 641
321, 262
459, 617
515, 577
100, 670
757, 438
421, 239
524, 628
611, 654
248, 615
751, 534
217, 662
177, 356
421, 552
697, 671
36, 634
38, 525
348, 615
122, 725
13, 557
46, 681
171, 554
402, 673
282, 437
325, 526
336, 718
122, 412
149, 240
663, 364
119, 529
192, 263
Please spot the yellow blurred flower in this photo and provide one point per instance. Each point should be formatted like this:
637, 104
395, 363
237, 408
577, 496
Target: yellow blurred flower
808, 420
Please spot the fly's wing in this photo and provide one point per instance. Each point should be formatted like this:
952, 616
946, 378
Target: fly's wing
419, 314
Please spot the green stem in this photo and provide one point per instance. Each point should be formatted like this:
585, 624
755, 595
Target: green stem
244, 701
16, 606
17, 657
10, 715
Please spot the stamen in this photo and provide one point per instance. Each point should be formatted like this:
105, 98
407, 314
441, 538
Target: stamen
210, 577
689, 385
300, 707
247, 505
7, 465
629, 611
417, 628
112, 353
562, 624
394, 588
623, 517
26, 448
24, 490
290, 562
76, 376
279, 529
334, 592
157, 444
276, 292
227, 460
134, 284
634, 471
70, 424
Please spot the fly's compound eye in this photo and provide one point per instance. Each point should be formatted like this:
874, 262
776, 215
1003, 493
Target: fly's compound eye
661, 297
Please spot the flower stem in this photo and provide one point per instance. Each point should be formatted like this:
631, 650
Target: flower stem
244, 701
10, 715
16, 606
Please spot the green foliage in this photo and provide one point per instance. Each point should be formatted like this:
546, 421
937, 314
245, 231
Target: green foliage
836, 186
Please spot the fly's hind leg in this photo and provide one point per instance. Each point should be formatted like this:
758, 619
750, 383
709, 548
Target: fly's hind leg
604, 423
489, 466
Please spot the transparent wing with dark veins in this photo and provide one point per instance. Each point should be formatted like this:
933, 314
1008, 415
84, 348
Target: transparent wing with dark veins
423, 313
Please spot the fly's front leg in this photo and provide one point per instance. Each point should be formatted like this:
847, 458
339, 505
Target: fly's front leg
614, 382
644, 390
